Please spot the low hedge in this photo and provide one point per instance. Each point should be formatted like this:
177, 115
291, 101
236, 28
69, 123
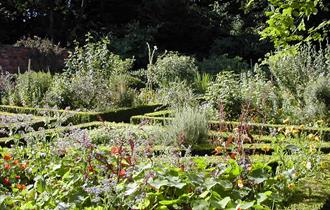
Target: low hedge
76, 117
6, 141
137, 119
255, 138
162, 113
21, 124
256, 128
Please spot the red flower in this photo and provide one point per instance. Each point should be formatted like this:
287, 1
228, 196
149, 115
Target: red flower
233, 155
17, 177
122, 172
7, 157
115, 150
90, 168
7, 166
23, 166
15, 162
21, 186
6, 181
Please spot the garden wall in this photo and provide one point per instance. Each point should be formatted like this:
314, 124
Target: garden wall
13, 58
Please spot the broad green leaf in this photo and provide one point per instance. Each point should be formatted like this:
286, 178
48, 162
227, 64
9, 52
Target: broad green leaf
223, 203
67, 175
174, 181
245, 205
144, 204
2, 198
132, 187
200, 205
261, 197
157, 183
169, 202
204, 194
162, 208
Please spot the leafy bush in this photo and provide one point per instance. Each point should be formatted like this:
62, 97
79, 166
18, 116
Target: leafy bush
146, 96
189, 126
201, 82
6, 87
317, 99
176, 95
31, 87
260, 95
173, 67
225, 91
298, 77
220, 63
58, 93
294, 72
95, 57
121, 93
95, 79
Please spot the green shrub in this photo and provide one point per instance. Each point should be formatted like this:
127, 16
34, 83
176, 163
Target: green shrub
31, 87
121, 94
317, 99
176, 95
173, 67
260, 94
82, 90
146, 96
58, 93
293, 72
201, 82
299, 79
95, 57
220, 63
225, 91
95, 79
189, 126
6, 87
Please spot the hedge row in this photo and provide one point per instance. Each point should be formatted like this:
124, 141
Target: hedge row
250, 149
76, 117
162, 113
256, 128
6, 141
20, 123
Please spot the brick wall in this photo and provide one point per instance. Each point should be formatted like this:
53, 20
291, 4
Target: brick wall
14, 58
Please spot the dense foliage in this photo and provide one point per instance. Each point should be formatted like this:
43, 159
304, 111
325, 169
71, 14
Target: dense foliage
236, 126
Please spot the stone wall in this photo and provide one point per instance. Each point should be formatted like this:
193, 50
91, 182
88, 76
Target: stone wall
14, 58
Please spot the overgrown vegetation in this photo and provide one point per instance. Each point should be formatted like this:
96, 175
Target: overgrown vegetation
232, 125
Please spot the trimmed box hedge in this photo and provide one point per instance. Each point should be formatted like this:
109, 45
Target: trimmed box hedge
21, 123
76, 117
6, 141
256, 128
